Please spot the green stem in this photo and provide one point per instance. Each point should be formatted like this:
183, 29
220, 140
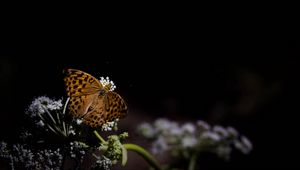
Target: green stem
145, 154
99, 137
83, 144
49, 114
192, 163
65, 106
58, 118
124, 155
66, 129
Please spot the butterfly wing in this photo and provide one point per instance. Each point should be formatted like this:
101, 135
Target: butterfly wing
86, 102
96, 115
106, 109
79, 105
115, 106
79, 83
82, 88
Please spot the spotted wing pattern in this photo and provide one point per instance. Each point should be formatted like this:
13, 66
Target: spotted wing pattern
79, 83
88, 103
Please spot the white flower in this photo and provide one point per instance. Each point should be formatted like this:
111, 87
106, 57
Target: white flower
3, 150
147, 130
203, 125
78, 121
189, 141
40, 104
232, 131
106, 81
211, 136
165, 126
197, 137
176, 131
35, 159
246, 141
40, 123
71, 131
245, 146
188, 128
162, 124
220, 130
37, 105
55, 105
108, 126
159, 145
103, 162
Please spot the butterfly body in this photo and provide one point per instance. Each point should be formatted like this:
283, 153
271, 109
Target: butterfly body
92, 101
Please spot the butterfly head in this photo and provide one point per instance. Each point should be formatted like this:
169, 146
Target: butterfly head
102, 92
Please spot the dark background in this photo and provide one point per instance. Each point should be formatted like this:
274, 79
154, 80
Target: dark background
246, 78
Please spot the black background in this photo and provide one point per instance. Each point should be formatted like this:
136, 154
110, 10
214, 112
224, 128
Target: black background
177, 70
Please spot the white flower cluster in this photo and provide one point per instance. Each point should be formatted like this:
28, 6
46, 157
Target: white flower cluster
21, 156
108, 126
77, 150
41, 104
102, 162
106, 81
49, 114
4, 152
199, 137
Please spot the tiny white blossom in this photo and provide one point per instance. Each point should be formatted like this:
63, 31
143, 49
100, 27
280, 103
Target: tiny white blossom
247, 144
72, 131
188, 128
220, 130
40, 123
211, 135
55, 105
232, 131
238, 145
146, 129
108, 126
73, 155
189, 141
106, 81
203, 125
176, 131
103, 162
242, 147
3, 150
78, 121
159, 145
164, 125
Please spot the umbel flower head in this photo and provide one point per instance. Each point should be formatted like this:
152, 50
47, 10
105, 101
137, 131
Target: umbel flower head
41, 105
192, 138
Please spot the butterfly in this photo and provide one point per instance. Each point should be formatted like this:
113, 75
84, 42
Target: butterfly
91, 100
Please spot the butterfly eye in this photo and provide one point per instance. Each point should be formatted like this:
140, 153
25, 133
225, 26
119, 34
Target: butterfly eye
102, 92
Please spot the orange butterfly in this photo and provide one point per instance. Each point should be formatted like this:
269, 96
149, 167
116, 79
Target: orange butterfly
91, 100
